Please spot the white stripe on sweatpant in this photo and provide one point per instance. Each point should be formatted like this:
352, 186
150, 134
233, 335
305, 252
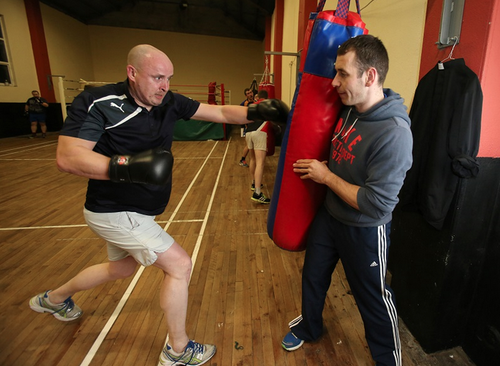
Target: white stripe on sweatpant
386, 295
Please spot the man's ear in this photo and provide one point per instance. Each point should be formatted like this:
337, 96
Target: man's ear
371, 76
131, 72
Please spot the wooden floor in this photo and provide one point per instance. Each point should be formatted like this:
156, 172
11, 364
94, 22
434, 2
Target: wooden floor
243, 292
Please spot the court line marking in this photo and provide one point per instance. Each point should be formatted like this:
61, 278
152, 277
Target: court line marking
9, 159
80, 225
24, 149
97, 343
208, 211
196, 250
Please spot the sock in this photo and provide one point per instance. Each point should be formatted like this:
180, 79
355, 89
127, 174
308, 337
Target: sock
50, 302
173, 352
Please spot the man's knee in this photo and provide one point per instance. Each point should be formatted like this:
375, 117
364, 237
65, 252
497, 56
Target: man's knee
183, 266
175, 262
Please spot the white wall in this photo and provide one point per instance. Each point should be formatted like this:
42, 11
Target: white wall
400, 26
68, 46
290, 39
21, 55
197, 59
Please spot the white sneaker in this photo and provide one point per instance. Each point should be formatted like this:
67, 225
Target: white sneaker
194, 354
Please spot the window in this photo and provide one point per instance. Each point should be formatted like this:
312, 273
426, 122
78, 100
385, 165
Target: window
5, 67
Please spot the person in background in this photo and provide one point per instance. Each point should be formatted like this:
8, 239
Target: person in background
256, 139
243, 160
35, 109
250, 98
119, 136
370, 153
261, 96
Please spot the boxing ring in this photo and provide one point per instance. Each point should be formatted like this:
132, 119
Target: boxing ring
192, 130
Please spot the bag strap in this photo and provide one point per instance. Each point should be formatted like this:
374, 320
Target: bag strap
342, 8
254, 85
266, 76
321, 5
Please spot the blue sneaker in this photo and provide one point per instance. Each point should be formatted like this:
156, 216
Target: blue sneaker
290, 342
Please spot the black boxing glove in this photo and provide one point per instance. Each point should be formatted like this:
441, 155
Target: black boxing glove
148, 167
268, 110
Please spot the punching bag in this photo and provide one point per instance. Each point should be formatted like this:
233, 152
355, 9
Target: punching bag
266, 83
315, 108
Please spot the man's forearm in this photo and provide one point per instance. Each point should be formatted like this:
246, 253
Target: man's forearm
346, 191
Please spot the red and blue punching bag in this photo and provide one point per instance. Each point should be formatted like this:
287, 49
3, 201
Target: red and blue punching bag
315, 109
266, 83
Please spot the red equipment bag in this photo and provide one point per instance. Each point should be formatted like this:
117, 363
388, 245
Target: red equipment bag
211, 92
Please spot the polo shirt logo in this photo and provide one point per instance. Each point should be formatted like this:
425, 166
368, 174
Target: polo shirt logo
117, 106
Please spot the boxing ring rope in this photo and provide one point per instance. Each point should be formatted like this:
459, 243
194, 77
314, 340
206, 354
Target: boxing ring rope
217, 94
69, 89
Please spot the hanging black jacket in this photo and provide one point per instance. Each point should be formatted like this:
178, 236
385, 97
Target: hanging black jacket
446, 124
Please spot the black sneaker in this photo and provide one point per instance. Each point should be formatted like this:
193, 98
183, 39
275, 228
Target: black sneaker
260, 198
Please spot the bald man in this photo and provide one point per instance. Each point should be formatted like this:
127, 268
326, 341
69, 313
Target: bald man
119, 136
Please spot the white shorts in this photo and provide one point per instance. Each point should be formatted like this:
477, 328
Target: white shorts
129, 233
256, 140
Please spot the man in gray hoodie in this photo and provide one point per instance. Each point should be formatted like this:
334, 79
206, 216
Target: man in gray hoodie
370, 153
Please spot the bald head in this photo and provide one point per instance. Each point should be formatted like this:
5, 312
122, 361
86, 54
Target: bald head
149, 71
145, 53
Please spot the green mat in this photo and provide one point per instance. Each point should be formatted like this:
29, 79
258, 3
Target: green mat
194, 130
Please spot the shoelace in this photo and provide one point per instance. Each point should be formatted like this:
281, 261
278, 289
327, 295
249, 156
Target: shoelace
68, 306
197, 348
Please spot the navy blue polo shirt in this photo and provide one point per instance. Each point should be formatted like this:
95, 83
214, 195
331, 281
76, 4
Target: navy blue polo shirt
109, 116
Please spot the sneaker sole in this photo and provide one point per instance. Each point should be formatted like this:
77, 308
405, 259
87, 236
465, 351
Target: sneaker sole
165, 362
259, 201
40, 309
